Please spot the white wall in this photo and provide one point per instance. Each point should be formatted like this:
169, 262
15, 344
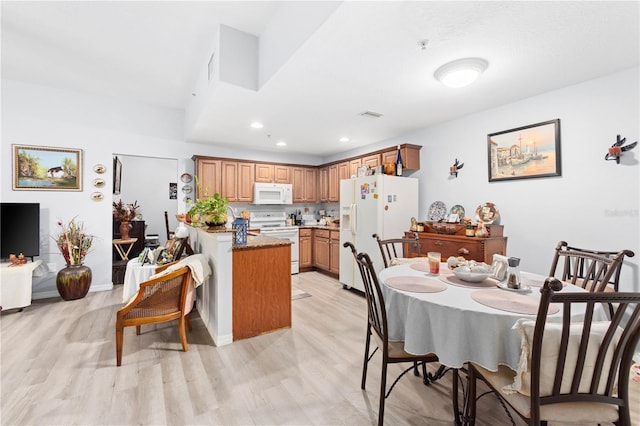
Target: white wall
594, 204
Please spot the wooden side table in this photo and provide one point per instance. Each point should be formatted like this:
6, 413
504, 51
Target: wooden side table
122, 248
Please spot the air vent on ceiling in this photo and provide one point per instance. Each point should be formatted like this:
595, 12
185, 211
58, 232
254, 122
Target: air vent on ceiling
371, 114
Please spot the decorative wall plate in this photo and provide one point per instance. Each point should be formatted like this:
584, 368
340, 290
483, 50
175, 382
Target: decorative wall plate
97, 196
186, 177
187, 189
487, 213
437, 211
98, 182
99, 168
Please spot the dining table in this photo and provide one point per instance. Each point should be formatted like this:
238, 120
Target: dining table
458, 320
135, 274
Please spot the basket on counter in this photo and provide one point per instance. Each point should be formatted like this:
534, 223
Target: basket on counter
446, 228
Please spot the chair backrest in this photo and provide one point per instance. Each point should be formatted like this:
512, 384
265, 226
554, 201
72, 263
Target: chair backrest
168, 291
590, 269
599, 374
377, 313
166, 224
407, 247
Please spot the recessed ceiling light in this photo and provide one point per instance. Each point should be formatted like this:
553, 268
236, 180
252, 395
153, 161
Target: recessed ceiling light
461, 73
257, 125
344, 139
281, 143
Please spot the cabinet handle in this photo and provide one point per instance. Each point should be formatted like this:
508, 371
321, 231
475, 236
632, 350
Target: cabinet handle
437, 243
463, 251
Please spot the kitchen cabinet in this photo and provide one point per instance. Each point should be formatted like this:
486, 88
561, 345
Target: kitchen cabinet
305, 258
272, 173
326, 250
304, 184
334, 183
353, 167
323, 184
471, 248
334, 252
209, 173
372, 160
237, 181
410, 156
344, 171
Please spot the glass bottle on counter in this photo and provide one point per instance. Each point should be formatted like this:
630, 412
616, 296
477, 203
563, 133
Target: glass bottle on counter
513, 273
398, 162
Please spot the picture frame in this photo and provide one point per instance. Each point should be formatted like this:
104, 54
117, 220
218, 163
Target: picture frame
43, 168
117, 175
526, 152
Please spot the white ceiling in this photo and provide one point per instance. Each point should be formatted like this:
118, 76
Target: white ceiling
364, 57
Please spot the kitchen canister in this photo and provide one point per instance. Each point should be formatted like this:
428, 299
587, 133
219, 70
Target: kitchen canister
241, 228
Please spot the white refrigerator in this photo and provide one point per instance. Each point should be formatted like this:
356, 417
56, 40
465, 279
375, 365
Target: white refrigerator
377, 204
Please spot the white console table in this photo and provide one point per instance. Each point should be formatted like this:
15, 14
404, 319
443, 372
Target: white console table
15, 284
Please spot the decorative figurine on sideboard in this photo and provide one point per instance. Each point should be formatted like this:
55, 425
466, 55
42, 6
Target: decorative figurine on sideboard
453, 170
17, 260
616, 150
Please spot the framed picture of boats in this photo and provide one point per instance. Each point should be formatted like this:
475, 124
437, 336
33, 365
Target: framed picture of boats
525, 152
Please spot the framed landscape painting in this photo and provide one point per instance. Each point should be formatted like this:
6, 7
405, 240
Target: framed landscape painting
526, 152
45, 168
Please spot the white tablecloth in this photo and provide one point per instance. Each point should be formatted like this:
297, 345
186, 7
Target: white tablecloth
15, 284
453, 325
135, 274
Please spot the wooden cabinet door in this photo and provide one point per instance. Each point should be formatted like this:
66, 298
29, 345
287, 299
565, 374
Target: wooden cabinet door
305, 250
229, 187
264, 173
321, 257
344, 171
245, 179
389, 157
282, 174
310, 185
323, 184
372, 160
353, 167
209, 177
334, 252
297, 179
334, 183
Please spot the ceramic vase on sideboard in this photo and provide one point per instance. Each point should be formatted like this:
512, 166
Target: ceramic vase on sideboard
73, 281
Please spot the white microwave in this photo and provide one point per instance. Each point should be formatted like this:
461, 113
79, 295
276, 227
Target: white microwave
272, 193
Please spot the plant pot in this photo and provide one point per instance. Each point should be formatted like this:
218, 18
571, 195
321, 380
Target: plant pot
73, 281
124, 230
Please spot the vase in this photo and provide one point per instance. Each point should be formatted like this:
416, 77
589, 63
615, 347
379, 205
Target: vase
124, 230
482, 231
73, 281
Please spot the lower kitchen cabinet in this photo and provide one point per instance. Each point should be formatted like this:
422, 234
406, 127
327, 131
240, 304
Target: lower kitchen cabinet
326, 250
334, 252
305, 249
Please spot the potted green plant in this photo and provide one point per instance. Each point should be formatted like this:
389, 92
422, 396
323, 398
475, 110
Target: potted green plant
210, 210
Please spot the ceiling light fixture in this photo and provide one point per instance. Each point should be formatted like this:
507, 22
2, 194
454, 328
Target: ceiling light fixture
281, 143
257, 125
461, 73
344, 139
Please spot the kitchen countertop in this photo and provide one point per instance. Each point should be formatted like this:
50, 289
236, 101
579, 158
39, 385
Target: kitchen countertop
254, 241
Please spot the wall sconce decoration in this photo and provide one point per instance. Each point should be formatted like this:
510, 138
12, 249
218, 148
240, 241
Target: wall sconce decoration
616, 150
453, 170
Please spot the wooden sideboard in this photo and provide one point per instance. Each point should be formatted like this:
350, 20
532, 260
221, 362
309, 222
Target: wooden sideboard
119, 266
471, 248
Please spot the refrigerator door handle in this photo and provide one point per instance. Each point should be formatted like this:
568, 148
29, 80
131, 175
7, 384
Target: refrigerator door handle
354, 220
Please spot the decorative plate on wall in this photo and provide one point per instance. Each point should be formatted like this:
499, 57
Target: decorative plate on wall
187, 189
98, 182
437, 211
99, 168
186, 178
97, 196
457, 209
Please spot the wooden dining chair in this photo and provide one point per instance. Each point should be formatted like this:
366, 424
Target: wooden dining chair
392, 351
164, 298
589, 269
170, 234
576, 372
394, 248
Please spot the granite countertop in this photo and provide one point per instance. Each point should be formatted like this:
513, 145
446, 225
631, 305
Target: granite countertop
254, 241
331, 228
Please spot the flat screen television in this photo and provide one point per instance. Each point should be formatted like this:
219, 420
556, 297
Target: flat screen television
20, 229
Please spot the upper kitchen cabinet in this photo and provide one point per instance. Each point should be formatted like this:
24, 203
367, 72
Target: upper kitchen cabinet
272, 173
323, 184
410, 156
344, 171
237, 181
209, 175
372, 160
304, 181
353, 166
334, 183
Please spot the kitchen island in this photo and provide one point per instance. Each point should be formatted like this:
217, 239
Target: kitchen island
249, 292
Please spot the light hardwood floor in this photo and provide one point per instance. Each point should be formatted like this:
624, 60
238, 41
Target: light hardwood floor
59, 367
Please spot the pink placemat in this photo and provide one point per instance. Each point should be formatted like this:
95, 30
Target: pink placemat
510, 302
415, 284
420, 266
452, 279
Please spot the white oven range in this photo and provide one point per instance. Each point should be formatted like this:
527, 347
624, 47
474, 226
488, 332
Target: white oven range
273, 224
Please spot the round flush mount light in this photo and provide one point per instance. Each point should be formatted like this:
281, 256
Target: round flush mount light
257, 125
281, 143
344, 139
461, 73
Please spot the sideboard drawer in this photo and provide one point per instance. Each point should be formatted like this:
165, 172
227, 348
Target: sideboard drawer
447, 248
